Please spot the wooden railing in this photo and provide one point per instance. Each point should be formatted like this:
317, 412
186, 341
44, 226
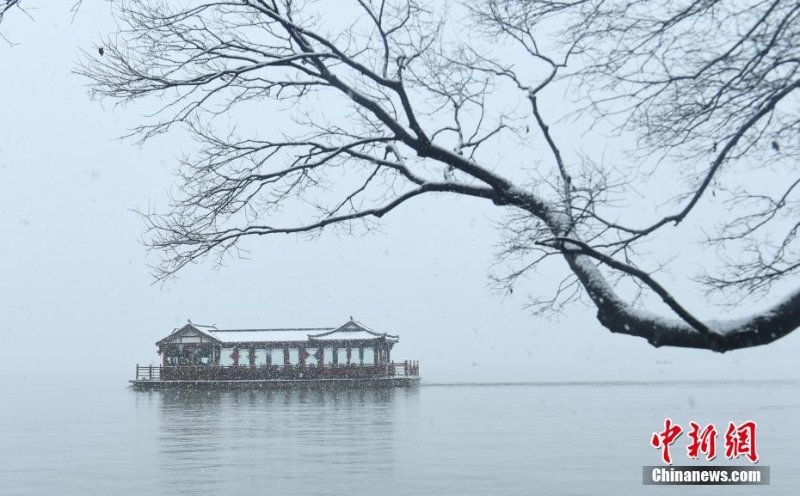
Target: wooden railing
409, 368
148, 373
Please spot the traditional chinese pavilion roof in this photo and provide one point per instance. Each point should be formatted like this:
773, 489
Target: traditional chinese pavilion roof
350, 331
262, 335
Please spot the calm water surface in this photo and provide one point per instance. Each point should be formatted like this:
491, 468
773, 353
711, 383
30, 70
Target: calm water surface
62, 437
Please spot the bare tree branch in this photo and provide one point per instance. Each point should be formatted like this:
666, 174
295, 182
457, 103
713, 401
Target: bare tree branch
7, 5
410, 110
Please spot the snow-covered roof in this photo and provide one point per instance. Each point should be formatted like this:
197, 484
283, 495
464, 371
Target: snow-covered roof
264, 335
350, 331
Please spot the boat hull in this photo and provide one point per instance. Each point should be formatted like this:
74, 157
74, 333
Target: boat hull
366, 382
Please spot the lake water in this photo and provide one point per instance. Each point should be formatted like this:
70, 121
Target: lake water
97, 437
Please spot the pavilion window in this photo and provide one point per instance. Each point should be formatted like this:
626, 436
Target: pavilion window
311, 358
224, 356
294, 356
276, 356
173, 354
258, 354
341, 356
181, 355
200, 355
369, 355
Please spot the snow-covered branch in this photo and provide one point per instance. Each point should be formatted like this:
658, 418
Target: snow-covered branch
410, 112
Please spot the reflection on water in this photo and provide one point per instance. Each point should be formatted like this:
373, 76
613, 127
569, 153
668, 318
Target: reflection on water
305, 439
92, 438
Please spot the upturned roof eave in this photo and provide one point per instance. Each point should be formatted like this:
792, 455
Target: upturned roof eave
184, 329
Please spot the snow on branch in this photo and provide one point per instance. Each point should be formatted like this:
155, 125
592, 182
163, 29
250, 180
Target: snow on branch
356, 118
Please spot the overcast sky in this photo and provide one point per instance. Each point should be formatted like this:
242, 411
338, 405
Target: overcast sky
77, 295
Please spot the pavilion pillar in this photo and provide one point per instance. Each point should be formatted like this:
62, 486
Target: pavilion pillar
361, 355
376, 353
268, 352
388, 354
235, 356
302, 356
321, 356
164, 361
217, 355
349, 354
335, 356
286, 358
251, 356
